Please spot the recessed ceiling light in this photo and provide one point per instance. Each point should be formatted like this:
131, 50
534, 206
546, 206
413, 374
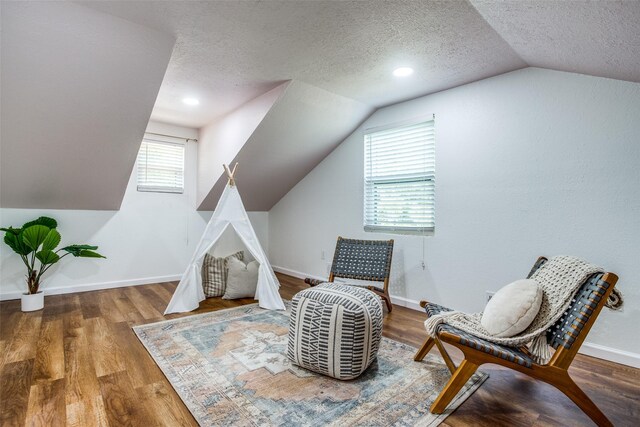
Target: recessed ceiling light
403, 71
191, 101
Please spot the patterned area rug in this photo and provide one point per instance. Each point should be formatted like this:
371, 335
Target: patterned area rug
230, 369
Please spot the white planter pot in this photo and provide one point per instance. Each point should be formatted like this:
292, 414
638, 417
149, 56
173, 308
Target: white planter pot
33, 302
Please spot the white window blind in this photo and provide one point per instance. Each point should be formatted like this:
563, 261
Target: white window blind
399, 179
161, 166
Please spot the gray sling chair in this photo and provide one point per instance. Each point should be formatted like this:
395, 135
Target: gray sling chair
368, 260
566, 336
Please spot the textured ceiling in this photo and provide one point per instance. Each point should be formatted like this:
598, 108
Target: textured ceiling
79, 83
78, 87
600, 38
230, 52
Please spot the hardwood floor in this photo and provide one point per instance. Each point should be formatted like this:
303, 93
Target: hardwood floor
78, 363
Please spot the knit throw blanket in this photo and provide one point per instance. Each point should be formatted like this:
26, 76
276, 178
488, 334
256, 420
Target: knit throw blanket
560, 278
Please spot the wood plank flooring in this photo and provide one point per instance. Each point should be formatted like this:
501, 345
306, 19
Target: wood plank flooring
78, 363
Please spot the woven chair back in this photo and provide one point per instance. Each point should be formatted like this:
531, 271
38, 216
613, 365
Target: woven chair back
362, 259
566, 330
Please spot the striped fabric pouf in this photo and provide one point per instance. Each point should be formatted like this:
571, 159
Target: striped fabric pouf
335, 329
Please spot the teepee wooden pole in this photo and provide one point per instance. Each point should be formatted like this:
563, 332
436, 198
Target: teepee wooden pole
231, 174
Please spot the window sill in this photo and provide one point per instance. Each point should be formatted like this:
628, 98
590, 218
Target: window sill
405, 232
160, 190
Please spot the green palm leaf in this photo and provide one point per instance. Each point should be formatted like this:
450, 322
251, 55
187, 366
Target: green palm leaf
34, 235
47, 257
43, 220
51, 241
14, 241
76, 249
11, 230
90, 254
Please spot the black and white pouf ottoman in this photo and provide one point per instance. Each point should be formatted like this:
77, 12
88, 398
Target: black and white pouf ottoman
335, 329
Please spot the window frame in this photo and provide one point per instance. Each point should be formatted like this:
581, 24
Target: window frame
142, 188
427, 176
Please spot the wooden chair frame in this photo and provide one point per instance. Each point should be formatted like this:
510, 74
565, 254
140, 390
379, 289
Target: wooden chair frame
554, 373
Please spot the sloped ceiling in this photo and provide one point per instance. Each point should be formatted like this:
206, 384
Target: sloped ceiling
276, 157
78, 87
221, 141
600, 38
78, 83
229, 52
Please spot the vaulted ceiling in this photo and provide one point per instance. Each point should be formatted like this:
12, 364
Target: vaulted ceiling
100, 77
301, 126
230, 52
599, 38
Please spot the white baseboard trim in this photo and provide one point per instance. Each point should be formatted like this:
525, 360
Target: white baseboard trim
611, 354
296, 274
594, 350
93, 286
406, 302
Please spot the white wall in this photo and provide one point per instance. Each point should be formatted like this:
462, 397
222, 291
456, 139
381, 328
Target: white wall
150, 239
533, 162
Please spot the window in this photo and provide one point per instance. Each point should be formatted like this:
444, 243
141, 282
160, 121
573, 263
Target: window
399, 179
161, 166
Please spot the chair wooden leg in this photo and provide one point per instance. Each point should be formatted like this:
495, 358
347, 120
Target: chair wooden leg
456, 382
426, 347
579, 397
387, 299
446, 357
384, 295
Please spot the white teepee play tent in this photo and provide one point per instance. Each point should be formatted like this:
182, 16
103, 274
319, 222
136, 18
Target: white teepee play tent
229, 212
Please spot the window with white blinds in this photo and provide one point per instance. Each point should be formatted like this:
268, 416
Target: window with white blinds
161, 166
399, 179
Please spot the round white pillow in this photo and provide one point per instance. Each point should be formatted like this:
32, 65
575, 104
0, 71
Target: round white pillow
512, 308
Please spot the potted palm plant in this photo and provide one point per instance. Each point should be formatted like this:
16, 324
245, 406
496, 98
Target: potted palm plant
36, 242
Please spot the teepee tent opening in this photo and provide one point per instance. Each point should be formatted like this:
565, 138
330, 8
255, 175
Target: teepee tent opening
229, 212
